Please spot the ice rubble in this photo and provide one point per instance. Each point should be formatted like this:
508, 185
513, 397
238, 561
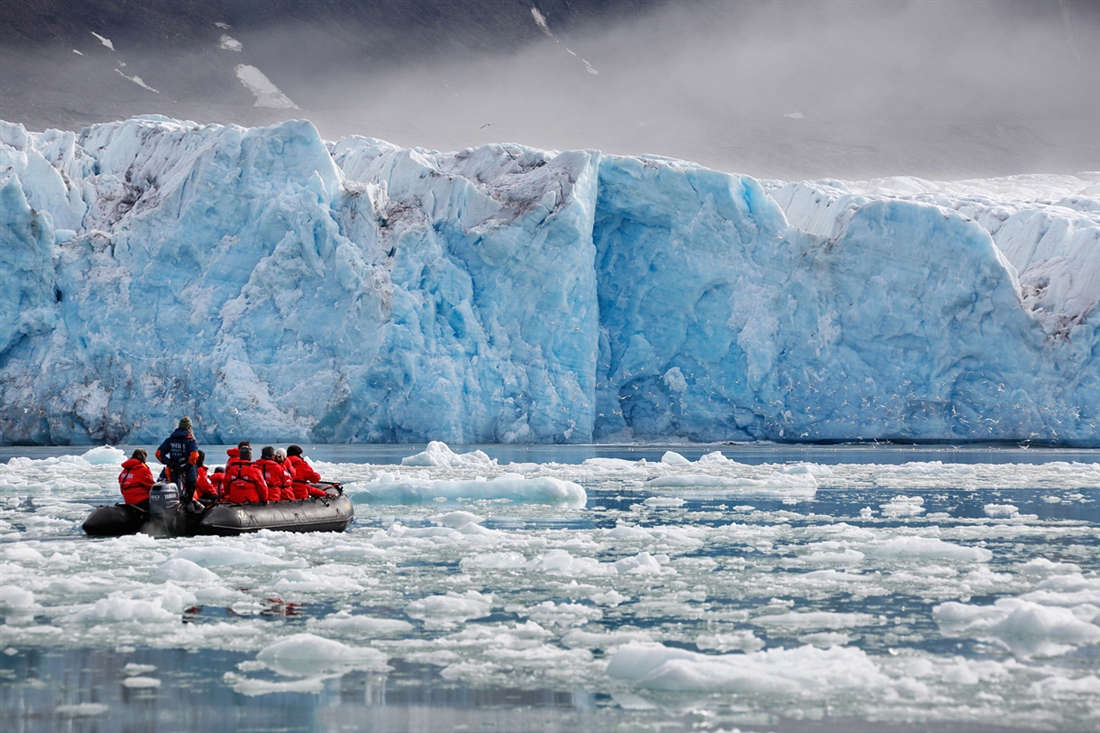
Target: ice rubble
536, 603
275, 286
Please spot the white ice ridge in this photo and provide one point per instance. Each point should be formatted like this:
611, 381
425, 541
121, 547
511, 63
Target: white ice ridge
1045, 225
274, 285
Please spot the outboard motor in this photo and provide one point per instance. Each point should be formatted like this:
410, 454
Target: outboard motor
164, 505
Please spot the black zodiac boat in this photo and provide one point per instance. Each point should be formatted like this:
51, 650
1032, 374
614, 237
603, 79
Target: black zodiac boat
167, 517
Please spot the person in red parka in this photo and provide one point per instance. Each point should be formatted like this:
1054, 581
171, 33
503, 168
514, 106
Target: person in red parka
302, 474
244, 482
274, 475
288, 478
205, 490
216, 477
136, 479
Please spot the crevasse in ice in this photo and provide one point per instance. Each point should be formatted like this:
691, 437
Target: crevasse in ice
278, 287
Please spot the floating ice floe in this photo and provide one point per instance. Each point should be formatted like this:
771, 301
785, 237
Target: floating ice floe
390, 489
440, 454
814, 620
1024, 627
799, 671
1001, 510
308, 655
450, 610
903, 506
104, 455
82, 709
359, 627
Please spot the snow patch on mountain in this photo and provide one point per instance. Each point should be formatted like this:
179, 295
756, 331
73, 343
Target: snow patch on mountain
266, 93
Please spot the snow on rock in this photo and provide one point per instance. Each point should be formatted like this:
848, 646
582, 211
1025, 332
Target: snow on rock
105, 41
137, 80
229, 43
266, 93
277, 287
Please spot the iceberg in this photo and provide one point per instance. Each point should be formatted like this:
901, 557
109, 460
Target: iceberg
279, 287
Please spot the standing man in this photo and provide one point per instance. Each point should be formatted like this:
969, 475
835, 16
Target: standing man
180, 452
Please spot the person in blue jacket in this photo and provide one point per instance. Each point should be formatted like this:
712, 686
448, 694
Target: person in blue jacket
180, 452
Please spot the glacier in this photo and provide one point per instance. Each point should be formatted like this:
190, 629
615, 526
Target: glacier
279, 287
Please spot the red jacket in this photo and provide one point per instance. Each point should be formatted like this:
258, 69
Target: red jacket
243, 482
216, 482
302, 474
276, 479
204, 486
218, 479
135, 481
288, 481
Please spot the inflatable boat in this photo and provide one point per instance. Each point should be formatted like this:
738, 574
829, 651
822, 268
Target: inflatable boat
167, 517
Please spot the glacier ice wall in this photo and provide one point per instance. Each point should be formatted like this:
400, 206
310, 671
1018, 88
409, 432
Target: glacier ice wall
278, 287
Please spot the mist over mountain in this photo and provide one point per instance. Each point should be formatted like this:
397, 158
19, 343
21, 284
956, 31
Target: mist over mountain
774, 89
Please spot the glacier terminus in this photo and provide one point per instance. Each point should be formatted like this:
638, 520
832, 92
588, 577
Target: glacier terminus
279, 287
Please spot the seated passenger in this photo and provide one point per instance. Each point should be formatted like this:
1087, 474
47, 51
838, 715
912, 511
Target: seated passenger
244, 482
205, 490
235, 453
216, 479
288, 479
274, 475
302, 475
135, 480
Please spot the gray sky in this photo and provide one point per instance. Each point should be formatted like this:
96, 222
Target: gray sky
773, 88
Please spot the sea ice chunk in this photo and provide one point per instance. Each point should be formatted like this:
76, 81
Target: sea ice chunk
309, 655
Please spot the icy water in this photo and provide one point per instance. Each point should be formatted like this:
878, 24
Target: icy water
549, 588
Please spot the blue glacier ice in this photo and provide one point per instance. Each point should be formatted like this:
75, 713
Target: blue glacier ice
275, 286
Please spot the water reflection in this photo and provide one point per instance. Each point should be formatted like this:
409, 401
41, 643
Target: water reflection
86, 691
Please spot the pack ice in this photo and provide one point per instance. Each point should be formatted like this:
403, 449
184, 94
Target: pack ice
275, 286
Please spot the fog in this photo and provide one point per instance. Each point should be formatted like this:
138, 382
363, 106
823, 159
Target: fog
786, 89
774, 89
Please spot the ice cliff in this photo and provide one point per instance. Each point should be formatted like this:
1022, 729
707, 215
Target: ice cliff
278, 287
